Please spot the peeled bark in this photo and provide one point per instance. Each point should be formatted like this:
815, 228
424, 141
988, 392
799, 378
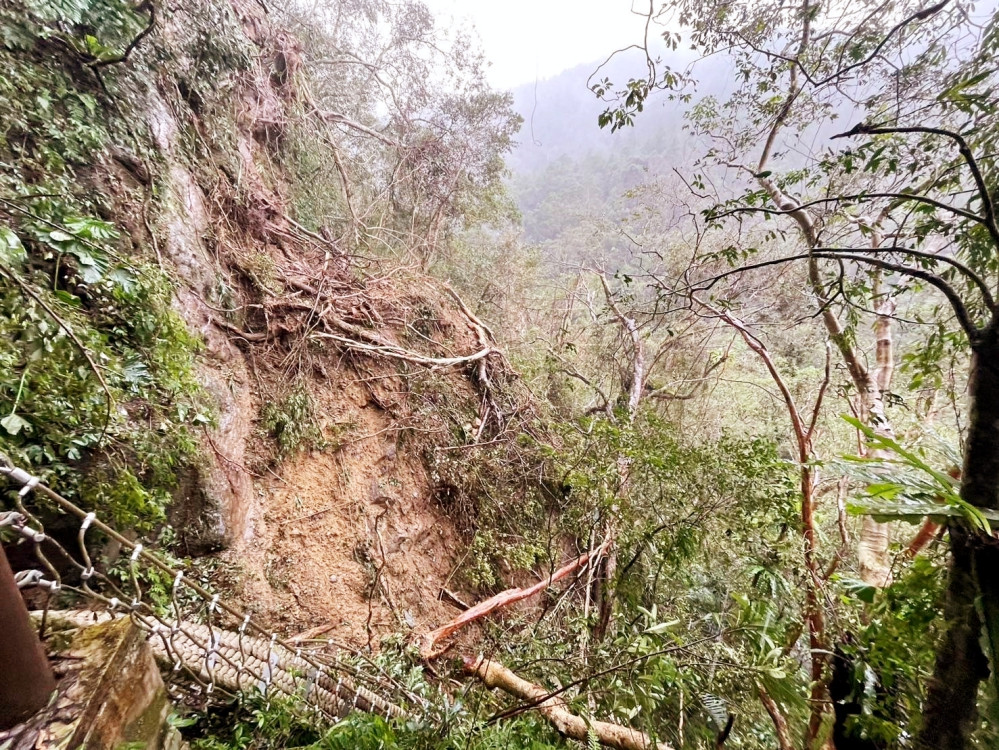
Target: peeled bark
429, 648
924, 536
495, 675
872, 548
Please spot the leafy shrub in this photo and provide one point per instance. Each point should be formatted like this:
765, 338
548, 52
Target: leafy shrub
96, 369
291, 421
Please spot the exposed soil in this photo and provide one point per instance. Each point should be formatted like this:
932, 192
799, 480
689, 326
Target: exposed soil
348, 535
336, 521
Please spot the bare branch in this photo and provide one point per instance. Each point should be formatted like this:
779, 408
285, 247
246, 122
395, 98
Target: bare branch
920, 15
822, 392
638, 365
132, 44
495, 675
966, 154
858, 197
956, 303
428, 648
407, 356
780, 721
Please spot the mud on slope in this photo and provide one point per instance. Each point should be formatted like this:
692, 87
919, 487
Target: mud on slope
350, 534
342, 528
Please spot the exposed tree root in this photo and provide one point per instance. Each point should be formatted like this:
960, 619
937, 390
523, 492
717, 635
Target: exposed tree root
329, 304
495, 675
396, 352
428, 647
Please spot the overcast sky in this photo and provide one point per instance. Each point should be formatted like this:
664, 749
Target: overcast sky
528, 39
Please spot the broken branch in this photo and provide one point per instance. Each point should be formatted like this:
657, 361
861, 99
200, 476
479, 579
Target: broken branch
428, 649
495, 675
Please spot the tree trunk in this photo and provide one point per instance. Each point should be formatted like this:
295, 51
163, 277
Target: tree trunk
553, 708
604, 594
604, 582
429, 642
951, 710
780, 722
813, 613
872, 548
26, 680
951, 707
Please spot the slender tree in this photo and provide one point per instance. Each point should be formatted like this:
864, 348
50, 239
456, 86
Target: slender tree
900, 202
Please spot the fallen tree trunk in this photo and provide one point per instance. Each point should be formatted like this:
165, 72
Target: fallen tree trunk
495, 675
428, 648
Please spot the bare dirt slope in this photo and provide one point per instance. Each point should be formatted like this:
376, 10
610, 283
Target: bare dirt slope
340, 527
350, 535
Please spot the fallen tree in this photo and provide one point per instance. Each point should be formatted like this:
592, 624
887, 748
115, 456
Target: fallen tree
428, 647
553, 708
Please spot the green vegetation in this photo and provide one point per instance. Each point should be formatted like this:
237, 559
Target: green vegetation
260, 724
658, 382
291, 421
96, 369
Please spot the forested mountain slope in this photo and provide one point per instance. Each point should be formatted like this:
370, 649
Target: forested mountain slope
563, 166
662, 430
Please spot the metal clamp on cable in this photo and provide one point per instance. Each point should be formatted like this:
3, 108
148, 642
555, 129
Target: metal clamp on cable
12, 518
29, 483
29, 533
27, 578
19, 475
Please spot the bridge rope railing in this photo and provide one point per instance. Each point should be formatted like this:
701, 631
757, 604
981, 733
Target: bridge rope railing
218, 647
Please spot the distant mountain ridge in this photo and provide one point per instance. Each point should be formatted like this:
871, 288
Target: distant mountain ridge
560, 117
564, 165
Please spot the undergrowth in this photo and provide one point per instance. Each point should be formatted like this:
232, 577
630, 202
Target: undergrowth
259, 723
97, 384
292, 421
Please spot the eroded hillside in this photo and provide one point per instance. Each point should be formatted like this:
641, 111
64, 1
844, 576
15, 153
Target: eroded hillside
266, 308
301, 415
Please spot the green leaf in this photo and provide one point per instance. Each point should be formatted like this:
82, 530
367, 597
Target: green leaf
14, 424
124, 279
70, 299
862, 591
945, 486
886, 490
91, 274
914, 511
11, 250
178, 721
662, 627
